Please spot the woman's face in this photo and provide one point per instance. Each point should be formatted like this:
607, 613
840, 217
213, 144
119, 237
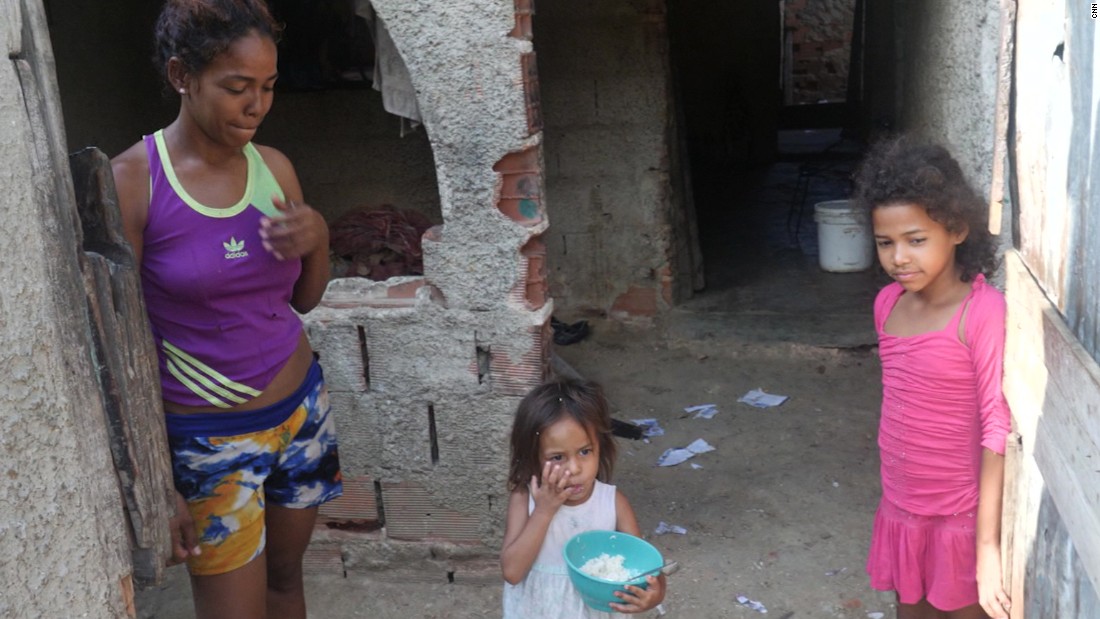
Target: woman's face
230, 97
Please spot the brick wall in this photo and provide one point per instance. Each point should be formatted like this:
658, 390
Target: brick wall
820, 33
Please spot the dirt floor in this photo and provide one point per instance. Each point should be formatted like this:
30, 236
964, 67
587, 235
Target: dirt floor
780, 512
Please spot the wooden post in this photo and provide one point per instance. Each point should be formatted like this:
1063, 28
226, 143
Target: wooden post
127, 369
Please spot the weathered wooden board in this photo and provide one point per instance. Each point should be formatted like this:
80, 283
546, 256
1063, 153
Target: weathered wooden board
1005, 57
127, 367
1058, 585
1053, 386
1043, 124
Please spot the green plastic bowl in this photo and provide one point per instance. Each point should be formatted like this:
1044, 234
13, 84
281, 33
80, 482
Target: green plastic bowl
638, 556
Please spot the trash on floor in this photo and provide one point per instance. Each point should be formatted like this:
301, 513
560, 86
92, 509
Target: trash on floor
702, 411
760, 399
699, 446
650, 427
675, 455
753, 604
875, 615
664, 527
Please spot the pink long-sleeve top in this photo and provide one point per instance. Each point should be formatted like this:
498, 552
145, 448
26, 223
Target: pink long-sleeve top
942, 402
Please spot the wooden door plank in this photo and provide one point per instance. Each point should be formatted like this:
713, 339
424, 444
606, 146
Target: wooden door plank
128, 372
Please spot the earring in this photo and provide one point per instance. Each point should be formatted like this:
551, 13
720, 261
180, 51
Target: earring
183, 91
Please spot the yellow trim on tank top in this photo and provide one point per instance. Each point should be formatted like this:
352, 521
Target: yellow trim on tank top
170, 172
209, 378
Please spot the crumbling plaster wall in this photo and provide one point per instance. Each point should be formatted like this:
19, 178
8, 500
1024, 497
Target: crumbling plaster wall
606, 102
62, 529
425, 373
948, 78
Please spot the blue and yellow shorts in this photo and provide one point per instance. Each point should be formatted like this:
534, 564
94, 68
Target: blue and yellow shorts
228, 465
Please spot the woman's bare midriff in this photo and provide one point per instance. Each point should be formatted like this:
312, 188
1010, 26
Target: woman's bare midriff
285, 382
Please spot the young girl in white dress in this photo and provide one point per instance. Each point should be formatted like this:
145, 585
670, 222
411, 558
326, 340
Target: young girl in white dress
562, 454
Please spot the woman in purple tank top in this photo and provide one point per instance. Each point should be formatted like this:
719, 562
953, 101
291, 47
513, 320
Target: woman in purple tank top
230, 255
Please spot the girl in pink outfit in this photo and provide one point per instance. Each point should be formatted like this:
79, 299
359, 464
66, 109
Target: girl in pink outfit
941, 329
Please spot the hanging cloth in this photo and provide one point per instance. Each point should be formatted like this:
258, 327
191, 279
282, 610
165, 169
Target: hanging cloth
391, 76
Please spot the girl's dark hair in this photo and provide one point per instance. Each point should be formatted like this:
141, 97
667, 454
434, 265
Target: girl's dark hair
196, 31
903, 169
583, 401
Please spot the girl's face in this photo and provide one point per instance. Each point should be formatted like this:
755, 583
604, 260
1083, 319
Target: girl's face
916, 250
232, 95
570, 445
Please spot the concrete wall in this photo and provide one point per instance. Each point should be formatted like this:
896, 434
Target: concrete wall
947, 72
62, 529
604, 76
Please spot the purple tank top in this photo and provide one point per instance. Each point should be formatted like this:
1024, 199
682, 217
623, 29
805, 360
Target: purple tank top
218, 302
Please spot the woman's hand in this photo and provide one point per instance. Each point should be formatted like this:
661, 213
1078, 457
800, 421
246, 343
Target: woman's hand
297, 233
638, 600
185, 542
991, 593
552, 492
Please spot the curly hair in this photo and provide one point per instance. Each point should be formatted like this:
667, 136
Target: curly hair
196, 31
905, 170
580, 400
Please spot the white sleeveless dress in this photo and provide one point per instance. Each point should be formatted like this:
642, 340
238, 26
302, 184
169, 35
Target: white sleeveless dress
547, 592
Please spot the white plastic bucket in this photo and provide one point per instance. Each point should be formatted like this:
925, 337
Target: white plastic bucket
844, 238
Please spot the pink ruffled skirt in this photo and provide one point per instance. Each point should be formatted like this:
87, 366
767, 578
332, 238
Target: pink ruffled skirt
925, 557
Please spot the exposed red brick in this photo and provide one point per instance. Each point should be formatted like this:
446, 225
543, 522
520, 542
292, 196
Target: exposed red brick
531, 93
664, 275
521, 192
524, 10
412, 514
536, 289
405, 290
357, 504
636, 301
516, 376
526, 160
435, 233
518, 210
323, 558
